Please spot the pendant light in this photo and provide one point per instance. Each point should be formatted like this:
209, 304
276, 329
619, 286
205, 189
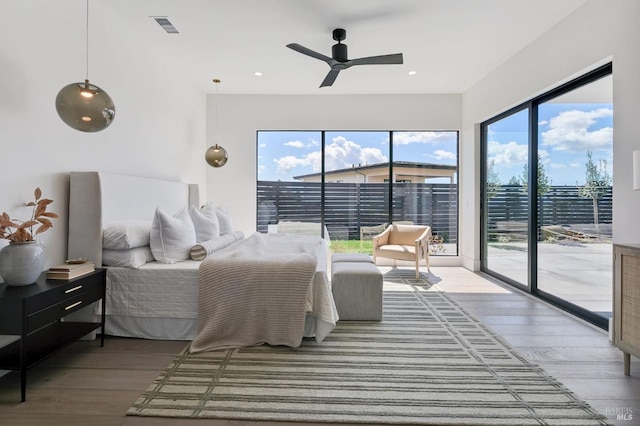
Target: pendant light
216, 155
85, 106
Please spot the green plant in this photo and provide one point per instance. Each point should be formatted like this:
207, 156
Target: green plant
19, 231
351, 246
597, 182
544, 183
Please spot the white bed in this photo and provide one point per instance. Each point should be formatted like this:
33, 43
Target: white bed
155, 301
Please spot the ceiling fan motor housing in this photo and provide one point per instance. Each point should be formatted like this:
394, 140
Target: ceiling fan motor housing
339, 52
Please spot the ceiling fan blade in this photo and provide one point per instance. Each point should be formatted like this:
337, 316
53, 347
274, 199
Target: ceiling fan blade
309, 52
330, 78
395, 58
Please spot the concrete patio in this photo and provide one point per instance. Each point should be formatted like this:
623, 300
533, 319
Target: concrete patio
581, 273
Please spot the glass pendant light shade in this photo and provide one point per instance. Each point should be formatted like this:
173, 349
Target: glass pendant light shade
216, 156
85, 107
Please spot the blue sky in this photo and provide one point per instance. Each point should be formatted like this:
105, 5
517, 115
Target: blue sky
567, 132
282, 155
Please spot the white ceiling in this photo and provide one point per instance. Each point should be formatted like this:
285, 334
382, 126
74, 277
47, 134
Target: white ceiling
450, 44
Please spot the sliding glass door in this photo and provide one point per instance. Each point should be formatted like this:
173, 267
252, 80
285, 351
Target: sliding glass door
505, 196
575, 144
547, 199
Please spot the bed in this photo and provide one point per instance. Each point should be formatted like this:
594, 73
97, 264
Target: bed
158, 300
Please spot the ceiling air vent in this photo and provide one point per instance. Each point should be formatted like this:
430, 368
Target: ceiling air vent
166, 24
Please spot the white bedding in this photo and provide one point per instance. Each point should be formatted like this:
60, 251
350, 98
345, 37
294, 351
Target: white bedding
261, 289
155, 301
160, 301
154, 290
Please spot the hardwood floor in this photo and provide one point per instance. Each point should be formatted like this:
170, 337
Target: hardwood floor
89, 385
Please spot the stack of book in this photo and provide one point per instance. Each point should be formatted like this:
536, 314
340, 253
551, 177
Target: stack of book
68, 271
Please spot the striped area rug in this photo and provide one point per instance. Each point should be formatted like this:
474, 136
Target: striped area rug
427, 363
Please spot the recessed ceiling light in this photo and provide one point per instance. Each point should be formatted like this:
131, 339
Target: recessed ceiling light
412, 73
257, 73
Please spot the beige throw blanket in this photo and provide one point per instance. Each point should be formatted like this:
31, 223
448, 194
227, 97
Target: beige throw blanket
255, 291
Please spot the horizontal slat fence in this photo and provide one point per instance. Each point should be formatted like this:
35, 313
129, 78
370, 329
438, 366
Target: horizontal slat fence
348, 206
562, 205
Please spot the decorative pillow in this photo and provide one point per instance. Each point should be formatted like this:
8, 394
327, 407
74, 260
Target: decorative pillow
205, 222
172, 237
205, 248
224, 218
126, 234
132, 258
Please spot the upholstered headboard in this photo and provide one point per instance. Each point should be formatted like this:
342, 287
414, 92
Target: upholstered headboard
97, 198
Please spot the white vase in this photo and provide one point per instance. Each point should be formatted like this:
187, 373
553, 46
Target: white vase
21, 263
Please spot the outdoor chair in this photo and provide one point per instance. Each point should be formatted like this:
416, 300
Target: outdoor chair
368, 232
403, 242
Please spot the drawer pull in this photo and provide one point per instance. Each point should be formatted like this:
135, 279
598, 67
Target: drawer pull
73, 305
73, 289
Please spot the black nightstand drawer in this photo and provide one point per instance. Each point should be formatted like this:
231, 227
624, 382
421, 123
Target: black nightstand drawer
69, 304
63, 290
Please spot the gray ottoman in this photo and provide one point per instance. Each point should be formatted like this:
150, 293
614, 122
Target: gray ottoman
350, 257
357, 291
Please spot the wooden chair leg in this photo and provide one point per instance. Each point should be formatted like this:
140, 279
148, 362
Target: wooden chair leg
417, 269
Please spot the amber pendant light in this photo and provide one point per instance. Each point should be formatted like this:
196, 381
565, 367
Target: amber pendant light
216, 155
85, 106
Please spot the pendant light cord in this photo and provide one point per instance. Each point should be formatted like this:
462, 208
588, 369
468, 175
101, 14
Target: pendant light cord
217, 82
87, 40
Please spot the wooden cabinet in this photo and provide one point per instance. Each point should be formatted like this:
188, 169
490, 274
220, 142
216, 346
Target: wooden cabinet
31, 319
626, 301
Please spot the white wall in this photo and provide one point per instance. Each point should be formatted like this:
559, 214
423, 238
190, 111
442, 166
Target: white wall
241, 116
160, 124
596, 33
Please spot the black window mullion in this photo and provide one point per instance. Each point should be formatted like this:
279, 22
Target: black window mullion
532, 197
390, 206
322, 184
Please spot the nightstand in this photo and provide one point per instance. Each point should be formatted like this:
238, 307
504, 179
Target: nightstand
33, 316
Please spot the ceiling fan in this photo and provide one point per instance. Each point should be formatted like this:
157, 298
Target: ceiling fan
339, 61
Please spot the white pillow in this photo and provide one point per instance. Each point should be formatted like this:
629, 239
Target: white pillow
172, 236
126, 234
132, 258
224, 218
205, 222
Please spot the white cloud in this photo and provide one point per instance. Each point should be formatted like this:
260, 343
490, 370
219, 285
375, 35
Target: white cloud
558, 166
339, 154
294, 144
509, 154
569, 131
288, 163
440, 154
342, 153
405, 138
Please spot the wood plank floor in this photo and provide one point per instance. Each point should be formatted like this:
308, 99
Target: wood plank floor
89, 385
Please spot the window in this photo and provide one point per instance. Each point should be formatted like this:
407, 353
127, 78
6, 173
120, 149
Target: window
353, 183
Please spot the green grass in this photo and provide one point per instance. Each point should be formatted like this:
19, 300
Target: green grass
351, 246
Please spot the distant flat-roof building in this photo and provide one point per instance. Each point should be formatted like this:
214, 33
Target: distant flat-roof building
402, 171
